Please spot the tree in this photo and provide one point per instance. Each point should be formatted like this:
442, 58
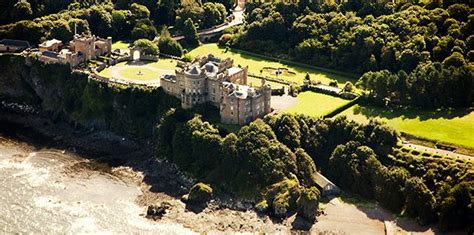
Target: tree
149, 48
306, 168
308, 203
287, 130
419, 201
191, 10
139, 12
21, 10
456, 59
213, 14
190, 34
144, 29
169, 46
62, 31
456, 210
100, 21
121, 22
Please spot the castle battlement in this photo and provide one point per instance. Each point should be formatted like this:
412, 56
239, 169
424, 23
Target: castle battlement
83, 47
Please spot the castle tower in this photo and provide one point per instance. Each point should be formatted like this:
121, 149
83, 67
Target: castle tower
85, 44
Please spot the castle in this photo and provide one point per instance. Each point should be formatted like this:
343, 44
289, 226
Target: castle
219, 82
83, 47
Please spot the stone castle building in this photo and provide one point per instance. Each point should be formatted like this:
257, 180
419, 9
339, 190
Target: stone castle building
219, 82
82, 48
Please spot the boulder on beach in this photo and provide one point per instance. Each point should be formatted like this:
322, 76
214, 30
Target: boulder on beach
157, 211
200, 193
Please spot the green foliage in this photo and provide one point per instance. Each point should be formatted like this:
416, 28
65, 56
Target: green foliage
306, 168
308, 203
149, 48
281, 197
287, 131
457, 207
169, 46
139, 12
420, 202
200, 193
21, 10
144, 29
213, 14
429, 85
190, 34
62, 31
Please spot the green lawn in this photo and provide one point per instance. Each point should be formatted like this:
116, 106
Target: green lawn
164, 63
133, 73
148, 70
450, 126
120, 45
256, 82
256, 64
315, 104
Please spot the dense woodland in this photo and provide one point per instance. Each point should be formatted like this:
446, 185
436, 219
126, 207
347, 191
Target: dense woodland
276, 159
403, 40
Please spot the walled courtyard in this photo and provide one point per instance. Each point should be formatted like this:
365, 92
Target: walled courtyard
141, 72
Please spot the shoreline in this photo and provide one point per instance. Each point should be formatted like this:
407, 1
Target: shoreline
159, 181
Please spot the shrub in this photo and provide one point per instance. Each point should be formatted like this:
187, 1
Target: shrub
149, 48
200, 193
283, 196
425, 154
308, 203
224, 39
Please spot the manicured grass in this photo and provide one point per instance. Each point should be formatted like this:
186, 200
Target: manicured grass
132, 73
120, 45
316, 104
164, 63
256, 64
255, 82
450, 126
150, 70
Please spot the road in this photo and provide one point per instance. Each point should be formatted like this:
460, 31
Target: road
238, 18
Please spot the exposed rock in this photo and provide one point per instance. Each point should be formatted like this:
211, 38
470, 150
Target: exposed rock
156, 212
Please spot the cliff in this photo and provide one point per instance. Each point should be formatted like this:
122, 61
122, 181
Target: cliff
72, 97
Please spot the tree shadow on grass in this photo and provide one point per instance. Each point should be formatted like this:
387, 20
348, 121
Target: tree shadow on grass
411, 113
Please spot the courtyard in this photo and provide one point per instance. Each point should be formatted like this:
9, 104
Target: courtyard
141, 72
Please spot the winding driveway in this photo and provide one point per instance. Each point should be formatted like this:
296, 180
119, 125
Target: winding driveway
237, 18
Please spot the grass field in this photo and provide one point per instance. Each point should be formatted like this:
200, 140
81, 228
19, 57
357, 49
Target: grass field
256, 64
150, 70
315, 104
120, 45
450, 126
140, 74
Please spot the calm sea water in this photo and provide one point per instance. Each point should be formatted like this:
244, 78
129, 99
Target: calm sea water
40, 192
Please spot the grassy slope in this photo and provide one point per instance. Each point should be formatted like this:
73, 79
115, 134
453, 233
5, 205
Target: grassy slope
456, 127
316, 104
256, 64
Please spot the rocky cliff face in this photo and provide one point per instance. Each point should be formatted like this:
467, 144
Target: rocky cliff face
73, 97
13, 83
